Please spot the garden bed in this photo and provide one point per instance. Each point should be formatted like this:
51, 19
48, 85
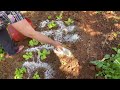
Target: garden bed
96, 39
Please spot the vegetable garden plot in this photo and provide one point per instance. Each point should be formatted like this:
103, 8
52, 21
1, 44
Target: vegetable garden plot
98, 32
61, 35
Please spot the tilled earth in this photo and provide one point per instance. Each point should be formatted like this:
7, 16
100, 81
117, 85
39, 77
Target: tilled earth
96, 39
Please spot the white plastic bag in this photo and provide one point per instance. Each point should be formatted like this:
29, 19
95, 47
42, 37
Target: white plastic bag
63, 52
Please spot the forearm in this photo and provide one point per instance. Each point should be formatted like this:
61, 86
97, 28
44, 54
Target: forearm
26, 29
42, 38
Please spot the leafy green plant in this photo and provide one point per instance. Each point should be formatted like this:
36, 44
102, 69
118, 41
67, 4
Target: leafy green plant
49, 17
69, 21
33, 42
28, 55
2, 54
43, 54
2, 57
109, 66
60, 16
19, 73
52, 24
36, 76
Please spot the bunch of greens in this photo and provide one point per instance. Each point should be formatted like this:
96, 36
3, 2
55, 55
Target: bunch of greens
43, 54
28, 55
36, 76
109, 66
69, 21
19, 73
33, 42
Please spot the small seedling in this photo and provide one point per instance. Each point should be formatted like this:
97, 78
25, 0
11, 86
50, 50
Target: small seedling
43, 54
99, 12
115, 34
2, 57
33, 42
36, 76
52, 24
28, 55
60, 16
69, 21
2, 54
49, 17
19, 73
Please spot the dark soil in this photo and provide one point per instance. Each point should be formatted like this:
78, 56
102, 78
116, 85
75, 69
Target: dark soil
95, 31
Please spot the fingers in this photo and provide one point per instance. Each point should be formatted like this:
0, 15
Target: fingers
59, 48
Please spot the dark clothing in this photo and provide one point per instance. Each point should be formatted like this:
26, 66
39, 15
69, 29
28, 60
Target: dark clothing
5, 40
7, 43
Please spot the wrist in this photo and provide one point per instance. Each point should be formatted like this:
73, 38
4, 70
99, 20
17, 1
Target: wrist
52, 43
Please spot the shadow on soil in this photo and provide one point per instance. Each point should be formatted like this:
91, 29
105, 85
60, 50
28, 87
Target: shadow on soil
92, 30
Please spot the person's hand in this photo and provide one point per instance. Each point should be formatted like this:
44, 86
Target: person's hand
58, 45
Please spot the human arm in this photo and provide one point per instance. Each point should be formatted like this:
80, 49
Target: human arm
27, 30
